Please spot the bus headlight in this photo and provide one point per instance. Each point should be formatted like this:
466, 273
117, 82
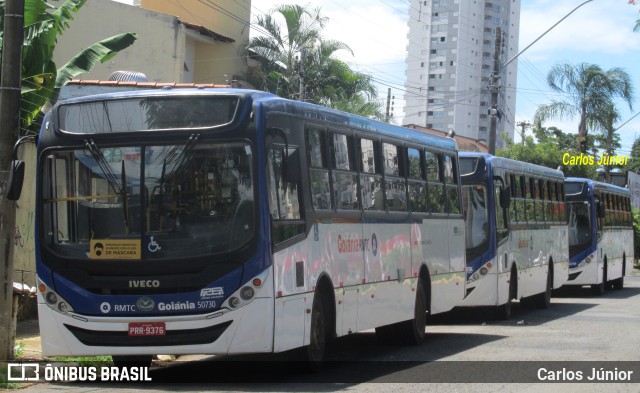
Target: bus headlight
53, 300
586, 261
246, 294
234, 302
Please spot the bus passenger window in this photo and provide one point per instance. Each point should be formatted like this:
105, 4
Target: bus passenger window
395, 192
318, 170
502, 229
451, 177
284, 203
417, 185
370, 178
512, 191
435, 188
345, 179
390, 157
519, 201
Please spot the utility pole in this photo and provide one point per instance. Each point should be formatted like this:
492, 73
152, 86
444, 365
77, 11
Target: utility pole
10, 82
524, 125
494, 87
390, 103
493, 84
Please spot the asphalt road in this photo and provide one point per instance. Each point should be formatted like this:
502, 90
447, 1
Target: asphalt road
465, 350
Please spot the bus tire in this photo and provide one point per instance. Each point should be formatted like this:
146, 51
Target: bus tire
121, 361
314, 352
503, 312
412, 332
598, 289
618, 283
543, 300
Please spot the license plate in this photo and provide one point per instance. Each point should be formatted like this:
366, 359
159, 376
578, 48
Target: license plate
147, 329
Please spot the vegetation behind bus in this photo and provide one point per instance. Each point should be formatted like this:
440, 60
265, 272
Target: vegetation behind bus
41, 79
636, 234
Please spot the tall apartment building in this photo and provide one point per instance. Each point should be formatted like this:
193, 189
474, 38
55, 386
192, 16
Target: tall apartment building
449, 64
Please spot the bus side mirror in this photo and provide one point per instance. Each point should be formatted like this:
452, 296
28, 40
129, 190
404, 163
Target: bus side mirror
16, 178
600, 210
505, 198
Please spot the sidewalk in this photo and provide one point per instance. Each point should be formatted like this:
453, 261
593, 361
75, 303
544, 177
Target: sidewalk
28, 333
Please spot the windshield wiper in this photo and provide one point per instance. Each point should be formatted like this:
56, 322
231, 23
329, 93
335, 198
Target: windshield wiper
97, 155
105, 167
180, 159
125, 198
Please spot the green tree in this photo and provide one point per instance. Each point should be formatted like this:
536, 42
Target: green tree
41, 80
294, 48
634, 161
636, 233
608, 139
589, 91
547, 152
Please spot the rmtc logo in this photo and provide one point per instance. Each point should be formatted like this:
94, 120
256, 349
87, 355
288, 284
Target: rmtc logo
144, 283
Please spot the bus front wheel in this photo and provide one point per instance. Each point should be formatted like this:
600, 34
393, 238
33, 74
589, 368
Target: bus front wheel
413, 330
315, 351
618, 283
503, 311
543, 299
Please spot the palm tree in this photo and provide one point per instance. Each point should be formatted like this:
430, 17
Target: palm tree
589, 92
278, 49
327, 80
609, 140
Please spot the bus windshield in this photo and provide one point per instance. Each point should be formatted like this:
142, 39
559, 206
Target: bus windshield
148, 201
579, 227
477, 225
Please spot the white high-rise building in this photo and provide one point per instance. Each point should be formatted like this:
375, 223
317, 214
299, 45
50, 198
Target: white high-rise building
449, 64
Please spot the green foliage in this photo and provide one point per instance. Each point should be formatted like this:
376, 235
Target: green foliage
41, 80
634, 162
549, 152
590, 93
292, 45
84, 361
19, 350
4, 383
636, 232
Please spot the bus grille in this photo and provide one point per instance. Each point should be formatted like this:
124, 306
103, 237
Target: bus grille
108, 338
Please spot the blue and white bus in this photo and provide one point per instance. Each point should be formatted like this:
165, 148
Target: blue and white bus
600, 234
516, 232
224, 221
